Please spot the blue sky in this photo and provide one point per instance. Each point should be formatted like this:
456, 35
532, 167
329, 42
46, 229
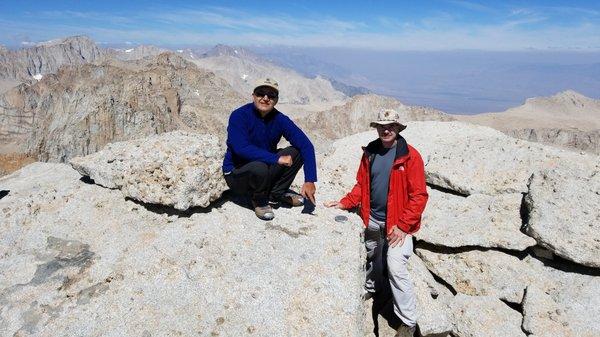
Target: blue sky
378, 25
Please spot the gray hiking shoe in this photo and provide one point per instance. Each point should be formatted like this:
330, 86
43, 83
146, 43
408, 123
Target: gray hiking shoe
263, 212
290, 199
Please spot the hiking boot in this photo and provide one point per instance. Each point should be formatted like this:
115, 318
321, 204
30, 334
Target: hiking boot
290, 199
263, 212
406, 331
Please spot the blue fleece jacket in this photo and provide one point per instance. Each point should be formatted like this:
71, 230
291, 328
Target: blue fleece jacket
253, 138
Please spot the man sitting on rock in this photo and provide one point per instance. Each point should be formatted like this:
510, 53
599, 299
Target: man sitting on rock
391, 192
254, 166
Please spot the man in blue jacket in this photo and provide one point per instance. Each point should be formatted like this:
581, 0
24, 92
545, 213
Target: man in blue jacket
254, 166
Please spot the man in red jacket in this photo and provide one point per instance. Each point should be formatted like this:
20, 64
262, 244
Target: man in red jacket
391, 193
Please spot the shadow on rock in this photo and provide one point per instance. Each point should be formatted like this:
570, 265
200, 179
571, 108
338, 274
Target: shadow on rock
566, 266
169, 210
87, 180
383, 305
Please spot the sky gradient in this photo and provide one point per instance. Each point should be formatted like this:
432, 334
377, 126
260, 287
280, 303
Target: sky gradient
377, 25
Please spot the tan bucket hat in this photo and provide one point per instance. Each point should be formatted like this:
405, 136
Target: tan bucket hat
388, 116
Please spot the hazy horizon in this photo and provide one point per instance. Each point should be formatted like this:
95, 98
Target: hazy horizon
454, 81
464, 82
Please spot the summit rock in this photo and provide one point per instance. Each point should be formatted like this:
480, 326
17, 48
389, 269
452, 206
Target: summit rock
74, 250
160, 169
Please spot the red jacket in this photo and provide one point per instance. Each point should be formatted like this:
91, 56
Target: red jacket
407, 194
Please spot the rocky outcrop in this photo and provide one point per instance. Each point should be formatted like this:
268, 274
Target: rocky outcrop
432, 299
567, 109
73, 250
44, 58
484, 316
542, 316
588, 141
563, 213
561, 302
567, 119
176, 169
471, 159
462, 158
480, 273
477, 220
82, 108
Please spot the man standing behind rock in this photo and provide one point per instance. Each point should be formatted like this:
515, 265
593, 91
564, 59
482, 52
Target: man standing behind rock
391, 192
254, 166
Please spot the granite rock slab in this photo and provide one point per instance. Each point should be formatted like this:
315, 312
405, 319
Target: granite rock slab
432, 299
178, 169
480, 273
90, 263
484, 316
562, 301
564, 213
476, 220
463, 158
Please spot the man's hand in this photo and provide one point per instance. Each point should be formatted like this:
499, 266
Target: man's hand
396, 237
333, 203
308, 191
285, 160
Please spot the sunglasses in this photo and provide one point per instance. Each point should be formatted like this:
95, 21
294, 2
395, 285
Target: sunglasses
389, 127
262, 92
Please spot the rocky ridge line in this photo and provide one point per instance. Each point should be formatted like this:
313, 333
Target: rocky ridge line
81, 108
46, 58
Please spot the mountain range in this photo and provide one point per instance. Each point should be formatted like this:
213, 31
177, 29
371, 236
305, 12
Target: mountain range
69, 97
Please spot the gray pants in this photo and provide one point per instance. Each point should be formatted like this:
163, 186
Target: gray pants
382, 258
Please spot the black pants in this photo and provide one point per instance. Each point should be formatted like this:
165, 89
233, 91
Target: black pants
261, 181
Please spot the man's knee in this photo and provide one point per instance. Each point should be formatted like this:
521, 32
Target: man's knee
291, 151
258, 170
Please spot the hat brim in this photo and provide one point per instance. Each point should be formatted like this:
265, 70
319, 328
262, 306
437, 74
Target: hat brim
375, 123
265, 85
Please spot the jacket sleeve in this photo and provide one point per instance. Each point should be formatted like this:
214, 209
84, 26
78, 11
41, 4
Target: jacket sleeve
238, 139
353, 198
417, 194
299, 140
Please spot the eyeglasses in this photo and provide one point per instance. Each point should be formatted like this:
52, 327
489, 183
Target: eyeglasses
262, 92
389, 127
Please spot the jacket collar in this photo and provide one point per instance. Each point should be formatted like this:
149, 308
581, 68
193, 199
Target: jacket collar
401, 148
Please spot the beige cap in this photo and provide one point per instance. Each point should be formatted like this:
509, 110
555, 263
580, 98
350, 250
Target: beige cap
267, 82
388, 116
